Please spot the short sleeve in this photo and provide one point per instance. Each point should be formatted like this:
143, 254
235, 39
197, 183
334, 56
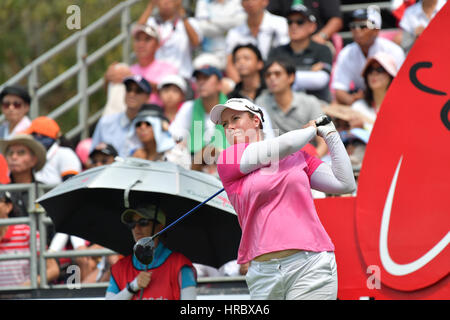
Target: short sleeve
311, 163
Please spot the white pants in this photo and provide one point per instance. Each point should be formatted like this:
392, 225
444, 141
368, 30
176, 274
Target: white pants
304, 275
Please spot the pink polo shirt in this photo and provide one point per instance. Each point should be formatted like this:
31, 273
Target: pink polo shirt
275, 210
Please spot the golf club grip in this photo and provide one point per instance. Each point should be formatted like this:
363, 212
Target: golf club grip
324, 121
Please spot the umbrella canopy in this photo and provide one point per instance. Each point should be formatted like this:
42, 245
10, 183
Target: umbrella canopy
90, 204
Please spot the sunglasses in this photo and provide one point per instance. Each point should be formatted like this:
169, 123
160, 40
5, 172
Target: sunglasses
141, 222
16, 104
377, 70
360, 25
135, 90
140, 123
258, 110
297, 21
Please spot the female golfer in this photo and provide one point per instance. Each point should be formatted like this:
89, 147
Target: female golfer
269, 185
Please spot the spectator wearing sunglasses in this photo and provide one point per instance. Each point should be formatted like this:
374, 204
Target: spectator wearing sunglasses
365, 26
114, 128
170, 276
15, 102
312, 60
151, 128
378, 74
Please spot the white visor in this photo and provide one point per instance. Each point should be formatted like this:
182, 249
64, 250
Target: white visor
237, 104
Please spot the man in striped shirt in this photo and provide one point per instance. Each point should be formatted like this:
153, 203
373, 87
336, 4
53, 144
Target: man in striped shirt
16, 239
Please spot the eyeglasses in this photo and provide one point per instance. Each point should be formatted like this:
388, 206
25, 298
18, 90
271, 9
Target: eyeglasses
19, 152
376, 69
16, 104
137, 90
140, 123
297, 21
360, 25
141, 222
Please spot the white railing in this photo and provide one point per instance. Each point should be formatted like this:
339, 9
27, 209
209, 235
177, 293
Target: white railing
79, 70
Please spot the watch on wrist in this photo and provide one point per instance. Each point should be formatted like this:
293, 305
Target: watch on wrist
130, 290
323, 35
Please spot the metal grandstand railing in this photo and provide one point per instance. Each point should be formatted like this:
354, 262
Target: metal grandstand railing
79, 69
38, 222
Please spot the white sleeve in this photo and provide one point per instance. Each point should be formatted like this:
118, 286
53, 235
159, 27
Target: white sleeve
263, 153
194, 24
124, 294
77, 242
310, 80
58, 242
339, 177
342, 72
188, 293
181, 126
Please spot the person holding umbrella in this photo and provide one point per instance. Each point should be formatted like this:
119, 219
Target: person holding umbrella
170, 275
269, 183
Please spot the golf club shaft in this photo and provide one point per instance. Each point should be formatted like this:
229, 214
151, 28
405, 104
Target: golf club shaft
186, 214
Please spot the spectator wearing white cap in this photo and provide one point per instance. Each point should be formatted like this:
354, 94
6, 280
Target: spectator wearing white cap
365, 27
378, 74
172, 91
145, 44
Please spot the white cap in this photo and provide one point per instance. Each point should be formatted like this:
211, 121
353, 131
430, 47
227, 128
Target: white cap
175, 80
146, 28
237, 104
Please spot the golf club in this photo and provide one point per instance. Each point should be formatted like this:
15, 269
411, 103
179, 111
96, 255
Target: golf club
144, 247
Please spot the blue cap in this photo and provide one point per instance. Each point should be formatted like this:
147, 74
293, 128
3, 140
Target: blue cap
209, 71
140, 81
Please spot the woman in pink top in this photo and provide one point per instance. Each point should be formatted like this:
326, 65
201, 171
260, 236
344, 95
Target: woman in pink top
269, 185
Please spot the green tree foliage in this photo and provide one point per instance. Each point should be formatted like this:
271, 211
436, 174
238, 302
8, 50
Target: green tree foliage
29, 28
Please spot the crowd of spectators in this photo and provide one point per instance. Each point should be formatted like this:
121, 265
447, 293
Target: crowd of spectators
286, 56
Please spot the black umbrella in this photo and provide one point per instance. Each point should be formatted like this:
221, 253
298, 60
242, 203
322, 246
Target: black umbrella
89, 205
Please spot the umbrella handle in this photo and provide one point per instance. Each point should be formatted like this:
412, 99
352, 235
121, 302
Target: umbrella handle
127, 193
186, 214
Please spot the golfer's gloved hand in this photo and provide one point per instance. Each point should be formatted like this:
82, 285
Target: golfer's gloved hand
324, 130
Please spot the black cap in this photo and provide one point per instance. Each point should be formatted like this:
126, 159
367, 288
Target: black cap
300, 8
140, 81
151, 110
104, 148
16, 90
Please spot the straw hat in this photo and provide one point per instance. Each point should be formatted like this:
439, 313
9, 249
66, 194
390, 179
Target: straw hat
25, 139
